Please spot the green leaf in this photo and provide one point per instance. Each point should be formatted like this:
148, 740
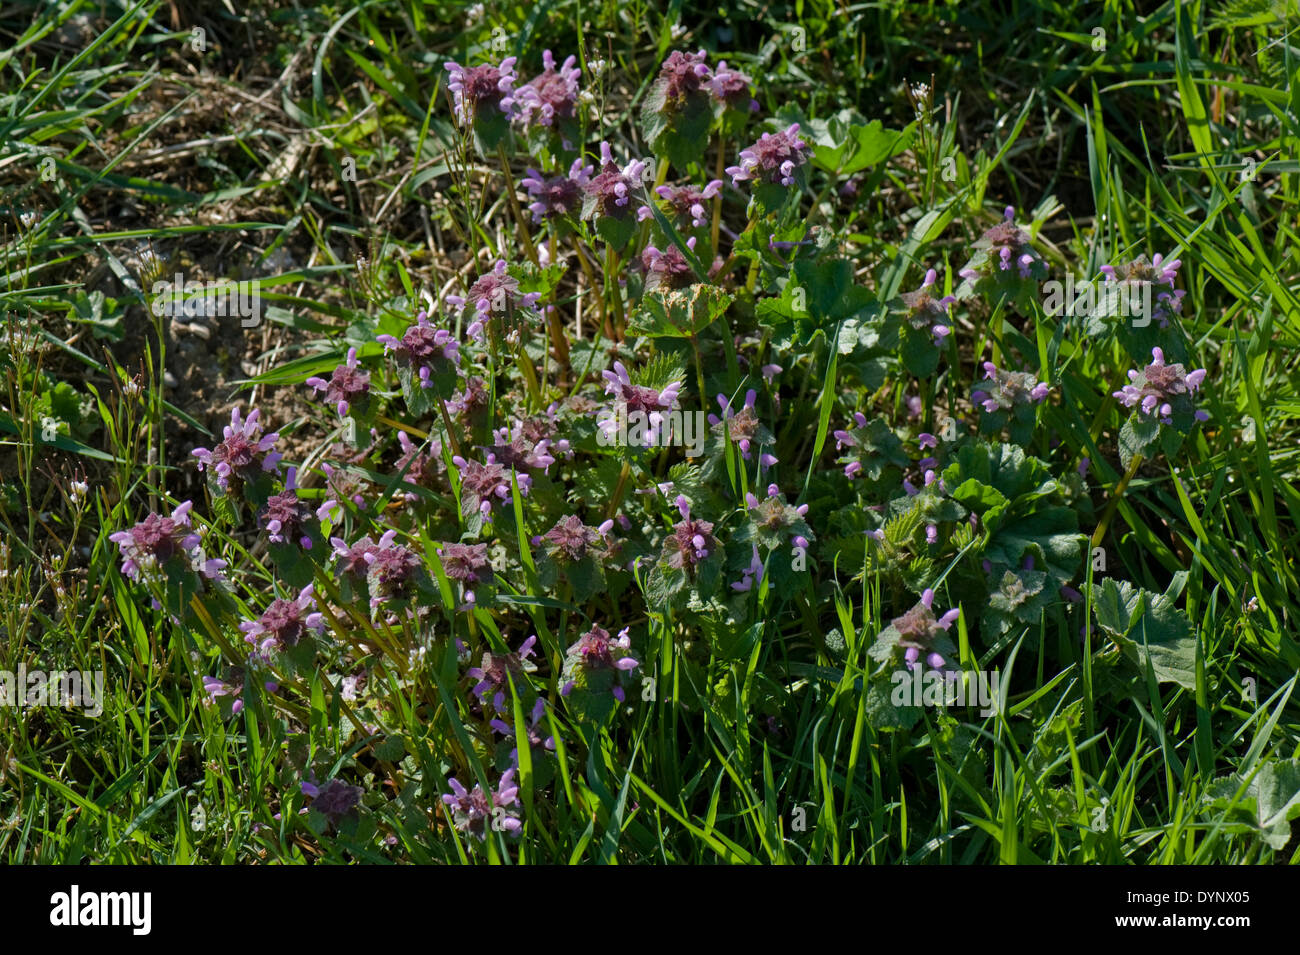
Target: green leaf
679, 313
1270, 801
1148, 628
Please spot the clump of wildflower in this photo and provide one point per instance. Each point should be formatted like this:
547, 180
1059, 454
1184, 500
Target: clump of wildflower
424, 350
691, 541
920, 633
286, 517
340, 485
527, 445
537, 736
495, 672
476, 812
496, 292
744, 429
348, 385
773, 518
686, 202
352, 559
556, 196
284, 623
652, 402
732, 88
570, 540
1135, 275
1002, 249
772, 160
391, 570
243, 453
551, 95
1003, 390
681, 78
1162, 390
468, 565
159, 543
926, 312
215, 688
478, 88
875, 446
668, 269
484, 486
470, 404
597, 653
608, 194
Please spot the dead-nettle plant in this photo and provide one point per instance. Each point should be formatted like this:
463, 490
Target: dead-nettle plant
535, 499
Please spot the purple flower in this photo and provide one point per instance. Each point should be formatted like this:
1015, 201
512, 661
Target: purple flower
558, 195
691, 541
743, 428
773, 159
1161, 389
687, 202
609, 192
392, 570
924, 310
215, 688
1003, 247
527, 445
681, 77
1157, 272
346, 386
732, 88
751, 575
352, 560
635, 398
570, 539
475, 812
486, 485
535, 730
496, 292
596, 651
1003, 390
285, 516
466, 563
495, 672
552, 94
423, 348
668, 270
156, 541
478, 87
918, 630
772, 515
284, 623
243, 453
341, 485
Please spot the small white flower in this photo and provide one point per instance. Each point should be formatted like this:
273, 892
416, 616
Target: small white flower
79, 491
